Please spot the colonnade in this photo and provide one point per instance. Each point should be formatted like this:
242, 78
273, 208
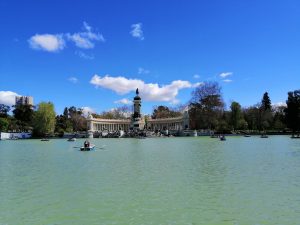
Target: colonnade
162, 126
152, 124
100, 126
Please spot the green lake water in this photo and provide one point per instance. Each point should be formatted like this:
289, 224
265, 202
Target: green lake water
182, 181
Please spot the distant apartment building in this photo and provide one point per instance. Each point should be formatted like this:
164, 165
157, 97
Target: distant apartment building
24, 100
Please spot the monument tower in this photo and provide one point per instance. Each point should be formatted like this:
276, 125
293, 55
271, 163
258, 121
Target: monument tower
137, 121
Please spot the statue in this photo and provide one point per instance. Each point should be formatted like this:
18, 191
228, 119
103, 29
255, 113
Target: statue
137, 91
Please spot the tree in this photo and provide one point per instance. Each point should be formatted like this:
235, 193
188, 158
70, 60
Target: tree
252, 116
122, 112
206, 106
292, 112
4, 123
164, 112
237, 120
223, 126
44, 119
79, 122
266, 117
66, 113
4, 109
266, 102
24, 116
279, 118
63, 124
77, 119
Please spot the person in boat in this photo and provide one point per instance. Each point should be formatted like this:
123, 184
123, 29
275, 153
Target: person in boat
86, 144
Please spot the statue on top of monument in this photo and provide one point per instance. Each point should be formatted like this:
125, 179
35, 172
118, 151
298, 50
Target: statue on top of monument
137, 91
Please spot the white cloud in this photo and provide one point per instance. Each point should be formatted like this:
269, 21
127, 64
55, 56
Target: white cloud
143, 71
56, 42
137, 31
86, 110
121, 85
8, 97
87, 27
47, 42
196, 76
86, 38
123, 101
226, 74
73, 80
84, 55
198, 84
227, 80
148, 91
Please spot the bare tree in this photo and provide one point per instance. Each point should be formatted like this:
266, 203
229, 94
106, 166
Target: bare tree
206, 106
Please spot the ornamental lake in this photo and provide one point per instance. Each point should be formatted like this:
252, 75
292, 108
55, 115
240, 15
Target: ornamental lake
192, 180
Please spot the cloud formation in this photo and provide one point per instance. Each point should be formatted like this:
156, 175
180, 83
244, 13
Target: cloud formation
85, 39
8, 97
74, 80
137, 31
84, 55
227, 80
225, 74
123, 101
143, 71
47, 42
56, 42
198, 84
148, 91
196, 76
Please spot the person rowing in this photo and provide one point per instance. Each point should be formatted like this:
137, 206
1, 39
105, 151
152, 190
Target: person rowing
86, 144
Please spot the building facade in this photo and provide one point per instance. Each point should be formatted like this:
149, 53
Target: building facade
137, 121
24, 100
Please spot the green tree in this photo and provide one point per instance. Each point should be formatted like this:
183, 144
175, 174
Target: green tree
66, 113
223, 125
279, 122
206, 106
292, 112
4, 123
44, 119
252, 117
4, 109
266, 102
266, 117
24, 116
237, 120
63, 124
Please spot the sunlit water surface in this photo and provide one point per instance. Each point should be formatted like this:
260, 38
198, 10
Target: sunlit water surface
155, 181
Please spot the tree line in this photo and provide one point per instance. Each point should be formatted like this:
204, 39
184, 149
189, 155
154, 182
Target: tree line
206, 110
41, 120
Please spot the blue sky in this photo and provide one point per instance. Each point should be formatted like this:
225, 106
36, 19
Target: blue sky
95, 54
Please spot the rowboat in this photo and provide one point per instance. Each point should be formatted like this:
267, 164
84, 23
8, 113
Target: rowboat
222, 138
72, 139
88, 148
44, 139
264, 136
